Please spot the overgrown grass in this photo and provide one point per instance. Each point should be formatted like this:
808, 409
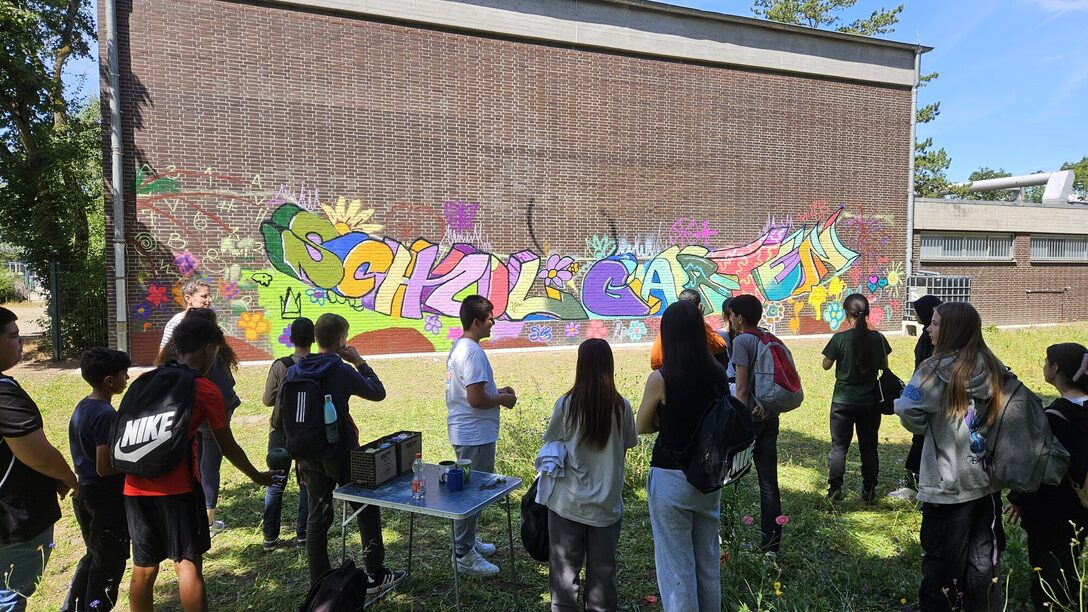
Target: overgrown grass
845, 556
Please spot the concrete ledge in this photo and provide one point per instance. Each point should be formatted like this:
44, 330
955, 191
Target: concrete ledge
655, 29
953, 216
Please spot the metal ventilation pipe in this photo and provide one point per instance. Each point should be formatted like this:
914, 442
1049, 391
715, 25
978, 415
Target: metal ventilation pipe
1059, 185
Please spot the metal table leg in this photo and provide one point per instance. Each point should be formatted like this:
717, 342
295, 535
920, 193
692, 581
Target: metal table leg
411, 530
453, 559
510, 536
343, 529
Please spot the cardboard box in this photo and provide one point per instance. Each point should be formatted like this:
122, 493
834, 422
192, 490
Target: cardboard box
372, 465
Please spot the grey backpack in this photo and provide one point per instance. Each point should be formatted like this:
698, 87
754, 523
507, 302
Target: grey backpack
1022, 452
776, 386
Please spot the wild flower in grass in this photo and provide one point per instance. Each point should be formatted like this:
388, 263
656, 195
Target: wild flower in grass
1036, 569
748, 520
782, 520
903, 600
777, 588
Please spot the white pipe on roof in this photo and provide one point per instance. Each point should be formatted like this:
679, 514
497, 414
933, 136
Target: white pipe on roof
1059, 185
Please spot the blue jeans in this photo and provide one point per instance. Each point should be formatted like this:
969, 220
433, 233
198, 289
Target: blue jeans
21, 568
686, 548
273, 499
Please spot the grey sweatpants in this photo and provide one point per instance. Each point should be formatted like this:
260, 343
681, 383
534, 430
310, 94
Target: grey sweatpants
483, 459
573, 543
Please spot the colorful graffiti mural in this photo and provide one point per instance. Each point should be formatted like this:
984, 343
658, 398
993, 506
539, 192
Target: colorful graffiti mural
304, 255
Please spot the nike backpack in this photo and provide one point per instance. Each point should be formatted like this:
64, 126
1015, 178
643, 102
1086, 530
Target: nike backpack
722, 448
150, 436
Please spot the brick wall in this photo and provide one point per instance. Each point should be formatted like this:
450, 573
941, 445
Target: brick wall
999, 289
240, 114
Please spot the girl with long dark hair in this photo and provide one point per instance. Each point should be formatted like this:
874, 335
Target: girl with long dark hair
953, 399
857, 353
1053, 516
596, 426
683, 519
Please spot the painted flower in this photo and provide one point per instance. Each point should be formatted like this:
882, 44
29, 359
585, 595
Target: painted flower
156, 295
349, 217
774, 312
179, 299
433, 324
895, 275
782, 520
557, 272
317, 296
253, 324
636, 330
141, 311
186, 263
540, 333
229, 290
454, 333
748, 520
834, 315
573, 329
597, 329
285, 337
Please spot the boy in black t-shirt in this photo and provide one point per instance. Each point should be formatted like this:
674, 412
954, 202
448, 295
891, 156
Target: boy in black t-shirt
32, 473
100, 508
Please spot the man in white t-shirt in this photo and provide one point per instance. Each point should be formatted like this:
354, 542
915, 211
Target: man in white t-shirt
473, 401
197, 293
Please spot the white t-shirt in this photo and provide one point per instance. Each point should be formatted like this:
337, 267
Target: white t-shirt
168, 331
468, 426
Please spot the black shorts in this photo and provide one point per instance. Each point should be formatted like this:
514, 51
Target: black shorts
171, 527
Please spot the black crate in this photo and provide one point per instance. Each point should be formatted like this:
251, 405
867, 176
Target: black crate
407, 449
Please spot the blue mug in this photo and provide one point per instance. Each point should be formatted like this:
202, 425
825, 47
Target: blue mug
455, 479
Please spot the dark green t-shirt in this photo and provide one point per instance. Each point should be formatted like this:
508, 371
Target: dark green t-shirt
852, 386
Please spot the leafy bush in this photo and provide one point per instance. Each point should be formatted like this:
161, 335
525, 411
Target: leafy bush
10, 287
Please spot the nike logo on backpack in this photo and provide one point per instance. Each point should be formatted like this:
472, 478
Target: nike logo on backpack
151, 431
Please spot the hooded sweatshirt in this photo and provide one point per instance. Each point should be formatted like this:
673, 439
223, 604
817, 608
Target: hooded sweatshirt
950, 472
341, 381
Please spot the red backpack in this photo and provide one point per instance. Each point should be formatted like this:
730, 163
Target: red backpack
776, 385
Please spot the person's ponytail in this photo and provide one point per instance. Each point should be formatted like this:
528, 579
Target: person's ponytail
857, 307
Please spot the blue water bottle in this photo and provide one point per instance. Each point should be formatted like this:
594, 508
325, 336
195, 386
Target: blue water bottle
332, 429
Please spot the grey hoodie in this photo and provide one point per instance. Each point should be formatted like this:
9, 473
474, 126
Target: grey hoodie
950, 472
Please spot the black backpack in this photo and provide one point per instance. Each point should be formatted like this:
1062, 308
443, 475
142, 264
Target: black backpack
534, 525
301, 408
888, 389
342, 589
720, 452
150, 436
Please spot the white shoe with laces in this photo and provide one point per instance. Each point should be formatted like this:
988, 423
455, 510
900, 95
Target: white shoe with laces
484, 548
474, 563
903, 493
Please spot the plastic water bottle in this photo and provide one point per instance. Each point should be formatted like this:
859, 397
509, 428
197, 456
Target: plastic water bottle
332, 428
419, 481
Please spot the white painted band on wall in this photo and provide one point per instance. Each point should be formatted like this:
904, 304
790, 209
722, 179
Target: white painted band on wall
680, 34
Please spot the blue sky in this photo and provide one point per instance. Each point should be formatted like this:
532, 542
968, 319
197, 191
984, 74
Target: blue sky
1013, 85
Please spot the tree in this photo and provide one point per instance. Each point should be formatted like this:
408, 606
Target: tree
821, 14
1080, 170
48, 179
930, 163
51, 203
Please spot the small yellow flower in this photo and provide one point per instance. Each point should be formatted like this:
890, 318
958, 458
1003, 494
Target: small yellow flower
1036, 569
777, 585
903, 600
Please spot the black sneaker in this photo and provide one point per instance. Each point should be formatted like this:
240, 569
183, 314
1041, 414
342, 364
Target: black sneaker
834, 494
388, 580
300, 541
868, 495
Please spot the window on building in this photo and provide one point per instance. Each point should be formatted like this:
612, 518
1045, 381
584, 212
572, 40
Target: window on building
1059, 248
967, 247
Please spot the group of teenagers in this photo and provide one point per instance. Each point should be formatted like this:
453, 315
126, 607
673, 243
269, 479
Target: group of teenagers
953, 396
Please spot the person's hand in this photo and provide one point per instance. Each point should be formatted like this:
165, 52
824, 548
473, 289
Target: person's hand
350, 355
759, 413
509, 390
1012, 514
507, 399
63, 488
265, 479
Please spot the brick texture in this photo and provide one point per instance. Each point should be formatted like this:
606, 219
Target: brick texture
233, 109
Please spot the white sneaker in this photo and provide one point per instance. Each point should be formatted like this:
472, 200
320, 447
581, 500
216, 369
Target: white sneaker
474, 563
484, 548
903, 493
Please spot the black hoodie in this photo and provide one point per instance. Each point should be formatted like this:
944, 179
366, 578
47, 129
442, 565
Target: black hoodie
341, 381
1058, 504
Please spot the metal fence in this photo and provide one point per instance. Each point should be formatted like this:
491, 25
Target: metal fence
947, 288
77, 311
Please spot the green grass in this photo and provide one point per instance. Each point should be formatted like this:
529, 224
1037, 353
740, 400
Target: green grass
845, 556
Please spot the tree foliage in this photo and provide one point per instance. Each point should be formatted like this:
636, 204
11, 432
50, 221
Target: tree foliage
1080, 171
50, 170
823, 14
